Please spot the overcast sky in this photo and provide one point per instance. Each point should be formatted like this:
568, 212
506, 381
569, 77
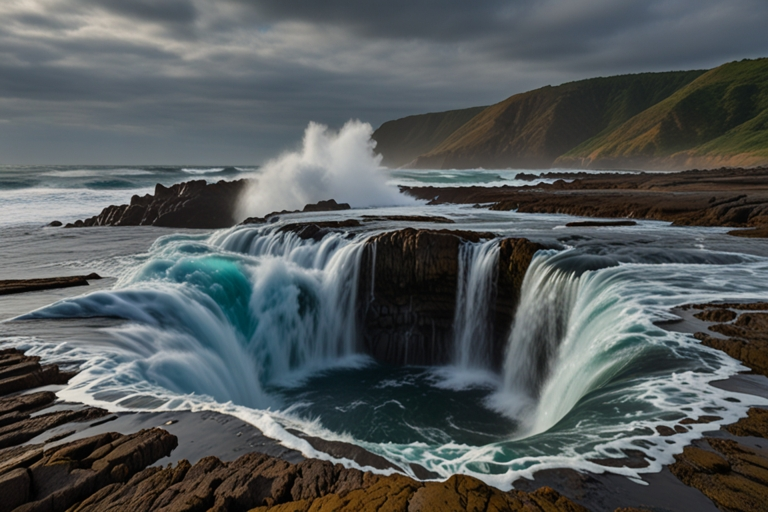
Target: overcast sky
237, 81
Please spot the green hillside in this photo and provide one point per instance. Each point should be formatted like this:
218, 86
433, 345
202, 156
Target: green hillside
534, 128
720, 118
672, 120
402, 140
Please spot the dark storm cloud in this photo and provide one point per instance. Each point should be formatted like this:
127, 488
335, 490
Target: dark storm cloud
238, 80
435, 19
162, 11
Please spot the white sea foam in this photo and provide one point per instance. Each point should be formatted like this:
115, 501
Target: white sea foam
203, 170
330, 165
42, 205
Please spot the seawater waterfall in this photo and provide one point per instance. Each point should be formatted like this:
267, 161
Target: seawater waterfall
268, 307
541, 323
263, 308
478, 269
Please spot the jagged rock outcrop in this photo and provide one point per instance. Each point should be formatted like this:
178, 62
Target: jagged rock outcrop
193, 204
732, 472
733, 475
67, 474
407, 293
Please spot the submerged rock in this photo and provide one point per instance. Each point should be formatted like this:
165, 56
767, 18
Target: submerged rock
600, 223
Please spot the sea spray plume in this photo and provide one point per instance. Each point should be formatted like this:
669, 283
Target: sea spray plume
330, 165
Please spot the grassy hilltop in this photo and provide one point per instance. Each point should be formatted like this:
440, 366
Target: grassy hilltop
670, 120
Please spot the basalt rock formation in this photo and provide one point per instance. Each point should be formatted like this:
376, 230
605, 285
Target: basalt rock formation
258, 482
407, 293
193, 204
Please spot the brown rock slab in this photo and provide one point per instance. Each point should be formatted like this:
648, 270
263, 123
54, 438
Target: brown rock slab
19, 372
24, 430
60, 478
755, 424
716, 315
732, 475
10, 286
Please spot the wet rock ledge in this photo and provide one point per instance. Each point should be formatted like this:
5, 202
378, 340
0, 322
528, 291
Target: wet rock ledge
730, 466
10, 286
113, 471
407, 293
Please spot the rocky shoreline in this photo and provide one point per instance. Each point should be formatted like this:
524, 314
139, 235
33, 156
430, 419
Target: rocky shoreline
735, 198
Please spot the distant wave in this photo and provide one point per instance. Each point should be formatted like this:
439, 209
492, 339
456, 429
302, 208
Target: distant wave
114, 183
16, 184
204, 171
88, 173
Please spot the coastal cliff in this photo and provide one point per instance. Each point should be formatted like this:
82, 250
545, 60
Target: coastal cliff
653, 121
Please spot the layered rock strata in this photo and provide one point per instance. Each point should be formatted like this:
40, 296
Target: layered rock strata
19, 372
407, 293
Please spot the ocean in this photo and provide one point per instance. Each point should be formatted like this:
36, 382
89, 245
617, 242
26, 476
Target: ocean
255, 322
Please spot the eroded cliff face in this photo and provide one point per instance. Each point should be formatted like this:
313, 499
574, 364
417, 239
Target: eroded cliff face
407, 293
